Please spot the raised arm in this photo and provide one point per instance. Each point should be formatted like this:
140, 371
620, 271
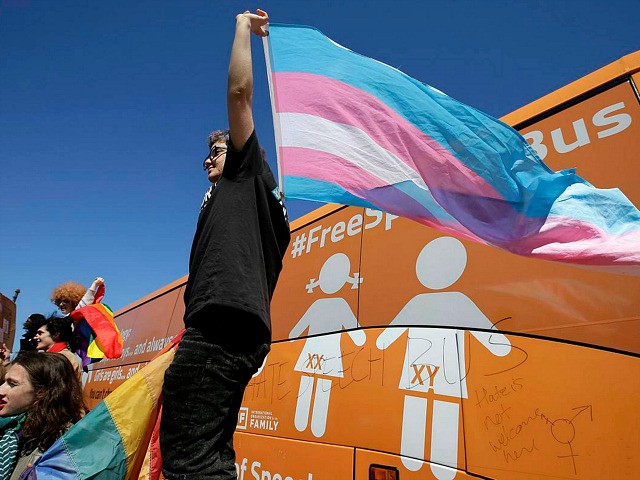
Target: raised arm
240, 83
90, 294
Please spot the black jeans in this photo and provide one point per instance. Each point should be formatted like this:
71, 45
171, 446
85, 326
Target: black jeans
202, 394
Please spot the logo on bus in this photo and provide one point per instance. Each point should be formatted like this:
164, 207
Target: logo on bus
256, 420
610, 117
243, 418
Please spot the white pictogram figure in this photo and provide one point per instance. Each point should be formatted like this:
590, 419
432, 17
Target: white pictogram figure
434, 358
321, 357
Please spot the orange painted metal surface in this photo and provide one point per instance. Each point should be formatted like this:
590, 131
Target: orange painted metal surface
266, 458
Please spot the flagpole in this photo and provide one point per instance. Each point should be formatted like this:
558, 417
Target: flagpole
266, 42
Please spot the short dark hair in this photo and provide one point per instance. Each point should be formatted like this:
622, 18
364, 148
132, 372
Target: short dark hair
31, 326
34, 321
218, 135
61, 330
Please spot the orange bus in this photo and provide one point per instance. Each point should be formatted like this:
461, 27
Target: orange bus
400, 352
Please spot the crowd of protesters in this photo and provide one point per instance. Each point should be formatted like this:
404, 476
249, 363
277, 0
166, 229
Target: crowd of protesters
40, 389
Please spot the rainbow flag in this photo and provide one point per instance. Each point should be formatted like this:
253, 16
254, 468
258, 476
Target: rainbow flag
118, 438
352, 130
98, 333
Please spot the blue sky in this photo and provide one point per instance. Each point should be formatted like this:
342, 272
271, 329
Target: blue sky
105, 108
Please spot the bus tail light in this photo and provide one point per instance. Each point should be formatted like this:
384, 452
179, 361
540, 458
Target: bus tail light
383, 472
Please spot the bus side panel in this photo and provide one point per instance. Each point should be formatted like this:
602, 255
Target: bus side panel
267, 458
477, 401
176, 324
150, 331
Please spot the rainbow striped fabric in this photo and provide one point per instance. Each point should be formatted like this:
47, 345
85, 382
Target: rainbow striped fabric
352, 130
98, 333
118, 439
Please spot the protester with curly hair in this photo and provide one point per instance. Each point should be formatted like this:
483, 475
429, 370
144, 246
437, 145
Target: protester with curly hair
72, 295
56, 336
39, 401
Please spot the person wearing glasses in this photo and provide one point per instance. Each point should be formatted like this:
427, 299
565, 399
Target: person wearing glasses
236, 257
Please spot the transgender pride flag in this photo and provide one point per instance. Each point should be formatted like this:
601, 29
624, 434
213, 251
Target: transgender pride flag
352, 130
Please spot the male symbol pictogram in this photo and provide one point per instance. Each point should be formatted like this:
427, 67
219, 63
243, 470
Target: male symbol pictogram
436, 355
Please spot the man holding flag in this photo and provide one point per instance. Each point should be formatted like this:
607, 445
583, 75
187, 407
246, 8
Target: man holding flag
236, 258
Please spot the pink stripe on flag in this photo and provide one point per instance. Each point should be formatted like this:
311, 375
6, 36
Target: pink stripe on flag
575, 241
309, 93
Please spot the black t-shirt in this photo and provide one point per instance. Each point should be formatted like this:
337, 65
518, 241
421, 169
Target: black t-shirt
240, 240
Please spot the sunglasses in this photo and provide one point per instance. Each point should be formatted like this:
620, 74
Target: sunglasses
214, 153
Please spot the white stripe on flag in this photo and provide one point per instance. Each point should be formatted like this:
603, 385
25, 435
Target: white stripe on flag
348, 142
